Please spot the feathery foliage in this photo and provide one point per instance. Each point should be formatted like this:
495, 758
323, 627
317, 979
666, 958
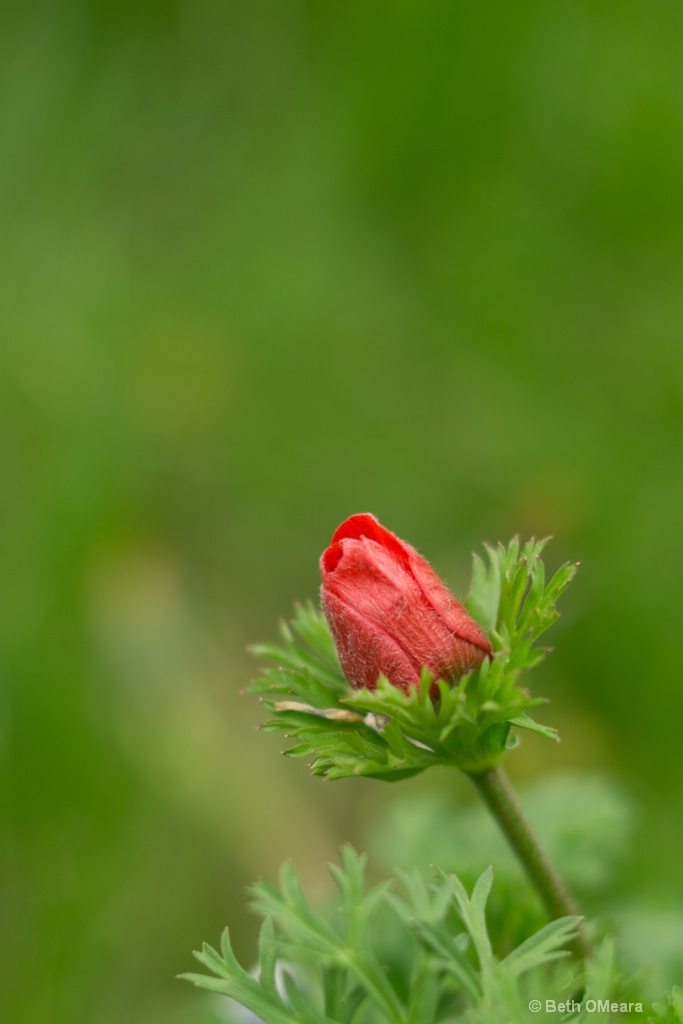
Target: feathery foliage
337, 967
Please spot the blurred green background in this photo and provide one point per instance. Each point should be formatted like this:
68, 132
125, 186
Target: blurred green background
268, 263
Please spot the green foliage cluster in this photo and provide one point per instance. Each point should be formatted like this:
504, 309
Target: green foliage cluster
387, 734
419, 949
670, 1010
408, 951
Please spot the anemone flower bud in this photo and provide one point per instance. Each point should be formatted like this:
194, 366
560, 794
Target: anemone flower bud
389, 612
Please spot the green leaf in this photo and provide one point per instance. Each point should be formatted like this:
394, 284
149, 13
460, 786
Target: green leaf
484, 595
524, 722
424, 990
473, 912
545, 945
268, 958
671, 1010
216, 963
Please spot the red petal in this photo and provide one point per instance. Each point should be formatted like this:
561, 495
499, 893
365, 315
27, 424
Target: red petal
331, 557
435, 591
373, 582
365, 525
366, 651
453, 614
390, 613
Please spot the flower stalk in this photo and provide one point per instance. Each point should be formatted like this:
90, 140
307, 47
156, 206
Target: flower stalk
500, 798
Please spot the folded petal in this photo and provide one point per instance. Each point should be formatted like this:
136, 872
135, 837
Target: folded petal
371, 580
365, 651
456, 618
453, 614
365, 525
388, 609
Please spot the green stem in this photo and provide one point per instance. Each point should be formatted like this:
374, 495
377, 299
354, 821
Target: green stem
501, 800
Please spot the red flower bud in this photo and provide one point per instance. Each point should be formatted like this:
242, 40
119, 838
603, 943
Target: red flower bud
389, 612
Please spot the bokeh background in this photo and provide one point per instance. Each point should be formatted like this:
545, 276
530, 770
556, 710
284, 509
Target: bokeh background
268, 263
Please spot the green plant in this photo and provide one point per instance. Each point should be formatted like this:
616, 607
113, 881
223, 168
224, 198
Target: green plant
417, 950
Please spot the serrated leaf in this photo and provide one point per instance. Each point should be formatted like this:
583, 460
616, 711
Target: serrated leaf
524, 722
245, 990
423, 992
215, 962
477, 915
547, 944
484, 595
671, 1010
268, 958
